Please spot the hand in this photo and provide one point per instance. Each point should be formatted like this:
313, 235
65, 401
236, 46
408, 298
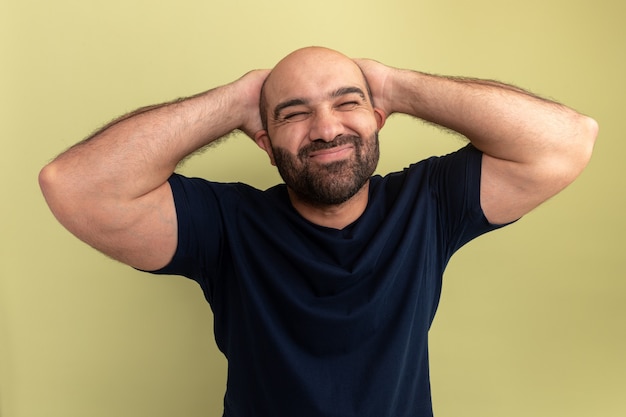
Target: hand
250, 85
379, 78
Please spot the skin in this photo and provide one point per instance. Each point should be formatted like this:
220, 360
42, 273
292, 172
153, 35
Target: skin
533, 148
316, 96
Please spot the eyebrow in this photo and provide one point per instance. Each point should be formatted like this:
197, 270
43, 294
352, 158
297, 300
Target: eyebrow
343, 91
289, 103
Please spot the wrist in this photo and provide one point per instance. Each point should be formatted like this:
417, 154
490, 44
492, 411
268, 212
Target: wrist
246, 92
404, 91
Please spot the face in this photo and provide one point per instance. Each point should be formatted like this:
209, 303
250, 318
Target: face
322, 130
333, 182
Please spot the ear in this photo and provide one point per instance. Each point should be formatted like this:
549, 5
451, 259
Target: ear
263, 141
380, 116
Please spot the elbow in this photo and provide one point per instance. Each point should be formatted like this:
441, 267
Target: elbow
589, 131
586, 135
49, 185
47, 180
577, 151
56, 189
66, 198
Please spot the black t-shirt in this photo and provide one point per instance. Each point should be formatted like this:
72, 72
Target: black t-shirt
324, 322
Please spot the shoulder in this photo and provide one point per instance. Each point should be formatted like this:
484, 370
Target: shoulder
193, 188
430, 172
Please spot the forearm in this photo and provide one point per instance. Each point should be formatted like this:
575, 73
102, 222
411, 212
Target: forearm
503, 121
137, 153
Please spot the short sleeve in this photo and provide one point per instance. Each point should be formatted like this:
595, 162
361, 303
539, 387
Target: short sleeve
455, 184
199, 227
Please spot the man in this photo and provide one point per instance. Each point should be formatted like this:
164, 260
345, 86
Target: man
323, 289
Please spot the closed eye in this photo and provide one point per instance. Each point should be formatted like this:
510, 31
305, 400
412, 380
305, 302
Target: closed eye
348, 105
295, 116
291, 110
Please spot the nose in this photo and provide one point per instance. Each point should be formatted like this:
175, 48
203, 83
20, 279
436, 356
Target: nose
325, 125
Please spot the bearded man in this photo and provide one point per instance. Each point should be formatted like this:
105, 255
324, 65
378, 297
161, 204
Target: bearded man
323, 288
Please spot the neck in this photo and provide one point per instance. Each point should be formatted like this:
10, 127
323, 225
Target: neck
335, 216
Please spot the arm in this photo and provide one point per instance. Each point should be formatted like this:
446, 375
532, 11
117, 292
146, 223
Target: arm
533, 148
111, 190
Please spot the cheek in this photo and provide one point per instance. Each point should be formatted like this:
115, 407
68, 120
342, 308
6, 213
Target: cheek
360, 120
290, 137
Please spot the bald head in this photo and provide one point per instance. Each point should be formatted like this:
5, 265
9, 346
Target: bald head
303, 70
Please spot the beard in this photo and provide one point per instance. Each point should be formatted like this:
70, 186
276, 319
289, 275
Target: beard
332, 183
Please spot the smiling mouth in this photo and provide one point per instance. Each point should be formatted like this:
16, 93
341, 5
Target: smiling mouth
332, 154
336, 150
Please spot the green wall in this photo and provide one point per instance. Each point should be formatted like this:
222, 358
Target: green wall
531, 322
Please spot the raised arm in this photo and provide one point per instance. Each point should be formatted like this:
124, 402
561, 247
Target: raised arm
533, 148
111, 190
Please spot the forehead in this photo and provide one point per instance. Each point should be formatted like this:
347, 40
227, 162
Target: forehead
312, 74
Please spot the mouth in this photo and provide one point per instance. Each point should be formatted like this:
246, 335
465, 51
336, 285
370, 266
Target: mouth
331, 154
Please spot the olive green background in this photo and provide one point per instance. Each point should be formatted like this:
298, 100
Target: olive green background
532, 318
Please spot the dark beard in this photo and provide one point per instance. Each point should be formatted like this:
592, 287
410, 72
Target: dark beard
333, 183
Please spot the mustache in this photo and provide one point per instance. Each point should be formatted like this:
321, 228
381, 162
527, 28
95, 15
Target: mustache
319, 145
